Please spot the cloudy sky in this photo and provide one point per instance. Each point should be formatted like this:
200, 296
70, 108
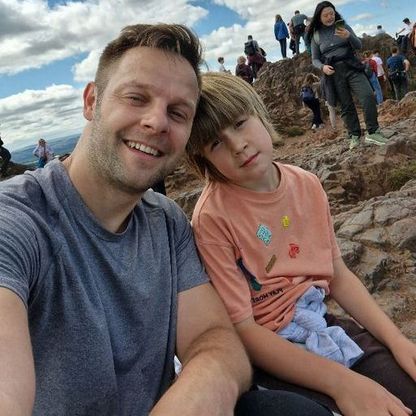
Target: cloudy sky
49, 49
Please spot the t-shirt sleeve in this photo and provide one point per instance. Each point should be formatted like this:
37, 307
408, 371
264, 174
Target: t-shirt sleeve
18, 259
220, 256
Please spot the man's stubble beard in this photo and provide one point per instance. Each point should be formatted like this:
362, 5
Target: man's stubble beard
104, 159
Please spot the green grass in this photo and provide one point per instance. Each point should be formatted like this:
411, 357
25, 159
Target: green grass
398, 177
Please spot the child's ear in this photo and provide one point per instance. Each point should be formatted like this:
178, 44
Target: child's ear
90, 100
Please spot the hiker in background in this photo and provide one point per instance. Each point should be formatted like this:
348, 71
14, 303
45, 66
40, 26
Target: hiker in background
381, 74
5, 158
254, 55
397, 68
298, 24
243, 70
221, 67
333, 51
43, 152
371, 64
265, 233
306, 38
309, 96
281, 34
412, 39
403, 36
380, 30
292, 42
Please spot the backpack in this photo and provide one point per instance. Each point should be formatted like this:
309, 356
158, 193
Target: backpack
249, 48
1, 142
299, 29
307, 93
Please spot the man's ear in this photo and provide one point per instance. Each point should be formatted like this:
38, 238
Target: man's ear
90, 100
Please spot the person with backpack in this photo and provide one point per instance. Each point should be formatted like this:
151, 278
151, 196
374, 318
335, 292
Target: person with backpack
254, 55
397, 67
281, 34
298, 23
5, 156
334, 45
308, 94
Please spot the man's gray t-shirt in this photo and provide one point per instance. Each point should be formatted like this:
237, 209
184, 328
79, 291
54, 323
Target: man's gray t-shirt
102, 307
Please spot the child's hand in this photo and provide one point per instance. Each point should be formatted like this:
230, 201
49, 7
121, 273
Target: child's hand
362, 396
404, 352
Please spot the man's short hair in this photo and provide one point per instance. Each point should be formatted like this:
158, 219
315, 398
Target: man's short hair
167, 37
406, 20
224, 99
220, 59
249, 37
394, 49
379, 26
297, 11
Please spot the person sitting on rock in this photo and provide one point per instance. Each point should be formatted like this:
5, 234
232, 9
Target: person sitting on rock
5, 157
265, 234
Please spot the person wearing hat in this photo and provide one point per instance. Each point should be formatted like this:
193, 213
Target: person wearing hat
403, 35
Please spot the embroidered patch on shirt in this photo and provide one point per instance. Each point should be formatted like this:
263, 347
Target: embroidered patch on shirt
294, 250
285, 221
271, 263
264, 234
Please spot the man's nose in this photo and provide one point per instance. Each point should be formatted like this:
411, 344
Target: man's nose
155, 120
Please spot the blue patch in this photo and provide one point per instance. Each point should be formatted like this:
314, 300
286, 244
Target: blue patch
264, 234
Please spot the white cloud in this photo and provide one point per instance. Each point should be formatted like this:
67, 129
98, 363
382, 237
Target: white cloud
34, 113
84, 71
362, 16
32, 35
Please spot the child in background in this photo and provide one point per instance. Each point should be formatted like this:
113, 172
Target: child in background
309, 96
265, 233
243, 70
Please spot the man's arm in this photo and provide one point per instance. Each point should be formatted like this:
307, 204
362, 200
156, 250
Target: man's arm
17, 374
406, 65
215, 369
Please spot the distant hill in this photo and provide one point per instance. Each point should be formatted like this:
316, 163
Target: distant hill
59, 146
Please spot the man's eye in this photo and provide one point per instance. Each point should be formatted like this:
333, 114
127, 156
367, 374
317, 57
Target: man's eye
178, 115
135, 98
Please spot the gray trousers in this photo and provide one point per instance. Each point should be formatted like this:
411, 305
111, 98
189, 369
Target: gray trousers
348, 83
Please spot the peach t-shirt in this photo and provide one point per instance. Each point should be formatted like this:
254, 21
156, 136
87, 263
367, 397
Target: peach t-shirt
263, 250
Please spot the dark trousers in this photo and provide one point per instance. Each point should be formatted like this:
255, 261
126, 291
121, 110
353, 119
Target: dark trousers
298, 37
278, 403
400, 87
313, 104
348, 83
283, 47
5, 155
377, 363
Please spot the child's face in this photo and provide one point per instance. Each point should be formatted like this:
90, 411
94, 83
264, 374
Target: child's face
243, 153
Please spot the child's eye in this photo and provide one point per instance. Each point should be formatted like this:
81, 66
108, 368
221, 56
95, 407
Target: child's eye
240, 122
214, 144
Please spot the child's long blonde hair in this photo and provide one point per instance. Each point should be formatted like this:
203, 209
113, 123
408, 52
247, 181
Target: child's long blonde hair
224, 99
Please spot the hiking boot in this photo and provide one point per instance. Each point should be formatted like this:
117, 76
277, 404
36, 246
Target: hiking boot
376, 138
354, 141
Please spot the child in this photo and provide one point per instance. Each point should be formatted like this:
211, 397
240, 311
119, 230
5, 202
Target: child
265, 233
243, 70
308, 94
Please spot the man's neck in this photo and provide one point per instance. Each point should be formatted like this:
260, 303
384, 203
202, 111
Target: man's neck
111, 206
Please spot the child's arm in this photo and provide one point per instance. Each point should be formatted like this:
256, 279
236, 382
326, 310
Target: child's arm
353, 393
352, 296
